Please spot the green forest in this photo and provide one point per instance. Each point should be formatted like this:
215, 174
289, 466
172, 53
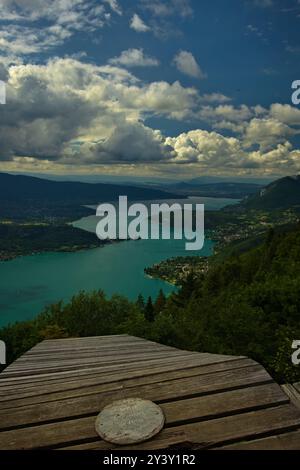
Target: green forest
25, 239
246, 304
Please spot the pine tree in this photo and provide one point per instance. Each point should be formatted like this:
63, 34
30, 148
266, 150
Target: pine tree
140, 302
149, 310
160, 302
186, 291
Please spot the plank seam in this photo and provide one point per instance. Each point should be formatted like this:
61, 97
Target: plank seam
169, 400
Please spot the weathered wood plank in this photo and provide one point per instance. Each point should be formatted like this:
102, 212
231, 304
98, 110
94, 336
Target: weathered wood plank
130, 379
35, 380
297, 386
175, 413
74, 346
48, 359
94, 400
88, 341
292, 393
208, 434
288, 441
99, 346
101, 357
231, 402
188, 358
91, 363
82, 352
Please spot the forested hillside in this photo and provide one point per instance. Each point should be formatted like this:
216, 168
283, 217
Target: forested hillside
283, 193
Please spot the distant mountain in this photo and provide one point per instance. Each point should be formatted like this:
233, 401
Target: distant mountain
232, 179
30, 198
220, 190
99, 178
19, 187
281, 194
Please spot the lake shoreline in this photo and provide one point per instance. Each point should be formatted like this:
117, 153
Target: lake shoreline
30, 282
74, 249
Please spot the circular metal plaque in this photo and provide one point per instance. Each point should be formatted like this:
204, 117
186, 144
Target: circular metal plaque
129, 421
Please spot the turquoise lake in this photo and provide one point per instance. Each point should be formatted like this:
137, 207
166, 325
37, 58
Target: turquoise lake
29, 283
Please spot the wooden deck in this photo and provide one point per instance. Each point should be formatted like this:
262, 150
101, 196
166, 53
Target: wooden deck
49, 398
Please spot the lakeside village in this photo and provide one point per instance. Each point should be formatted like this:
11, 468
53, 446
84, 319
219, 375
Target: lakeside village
228, 235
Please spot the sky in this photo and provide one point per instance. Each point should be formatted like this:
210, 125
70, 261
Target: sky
165, 88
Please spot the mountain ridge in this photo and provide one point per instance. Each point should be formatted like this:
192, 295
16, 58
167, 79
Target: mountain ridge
283, 193
15, 187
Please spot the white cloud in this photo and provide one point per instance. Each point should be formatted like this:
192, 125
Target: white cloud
138, 24
225, 112
215, 98
281, 159
285, 113
19, 41
161, 99
267, 133
114, 5
255, 124
61, 11
210, 149
162, 16
130, 142
61, 109
213, 152
116, 75
69, 114
187, 64
163, 8
134, 58
62, 18
182, 7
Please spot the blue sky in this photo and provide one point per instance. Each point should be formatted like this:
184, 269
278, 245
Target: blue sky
140, 87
